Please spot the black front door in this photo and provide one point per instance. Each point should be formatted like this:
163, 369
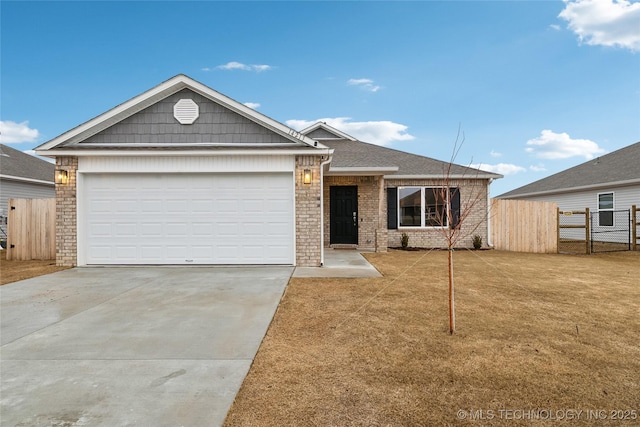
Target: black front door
343, 214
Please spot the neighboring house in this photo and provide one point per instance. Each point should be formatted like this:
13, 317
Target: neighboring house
605, 184
182, 174
22, 176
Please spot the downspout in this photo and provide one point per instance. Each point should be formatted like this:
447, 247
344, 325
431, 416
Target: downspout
489, 243
329, 158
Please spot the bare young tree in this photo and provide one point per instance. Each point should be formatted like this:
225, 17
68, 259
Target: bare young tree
458, 195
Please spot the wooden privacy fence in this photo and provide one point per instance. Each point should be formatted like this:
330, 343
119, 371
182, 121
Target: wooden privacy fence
31, 229
524, 226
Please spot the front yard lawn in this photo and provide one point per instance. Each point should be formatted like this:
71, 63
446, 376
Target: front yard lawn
12, 271
538, 336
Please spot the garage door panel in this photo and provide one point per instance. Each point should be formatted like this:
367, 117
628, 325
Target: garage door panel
125, 229
152, 253
189, 218
148, 229
129, 253
150, 206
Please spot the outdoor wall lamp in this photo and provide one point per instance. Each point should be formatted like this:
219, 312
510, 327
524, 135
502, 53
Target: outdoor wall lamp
62, 177
306, 176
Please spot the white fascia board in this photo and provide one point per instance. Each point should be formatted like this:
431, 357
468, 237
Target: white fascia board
29, 180
439, 176
360, 171
162, 91
179, 153
194, 145
118, 113
570, 190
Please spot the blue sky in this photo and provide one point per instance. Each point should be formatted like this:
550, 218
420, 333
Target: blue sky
535, 86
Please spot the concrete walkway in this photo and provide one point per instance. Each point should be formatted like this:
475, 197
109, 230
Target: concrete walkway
340, 263
150, 346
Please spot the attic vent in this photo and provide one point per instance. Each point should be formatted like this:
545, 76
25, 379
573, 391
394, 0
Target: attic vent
186, 111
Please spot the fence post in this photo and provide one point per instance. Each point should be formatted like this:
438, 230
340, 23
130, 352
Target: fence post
587, 229
558, 230
634, 227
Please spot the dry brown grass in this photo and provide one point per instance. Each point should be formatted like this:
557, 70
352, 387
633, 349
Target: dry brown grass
12, 271
548, 332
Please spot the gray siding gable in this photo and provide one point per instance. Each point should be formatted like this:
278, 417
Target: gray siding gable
157, 125
322, 133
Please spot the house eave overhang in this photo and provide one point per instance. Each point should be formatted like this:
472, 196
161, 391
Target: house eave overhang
624, 183
443, 176
360, 171
222, 151
163, 90
27, 180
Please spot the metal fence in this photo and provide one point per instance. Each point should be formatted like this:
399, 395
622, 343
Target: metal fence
573, 232
610, 231
592, 232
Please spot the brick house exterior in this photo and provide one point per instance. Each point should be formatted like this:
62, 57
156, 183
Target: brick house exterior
183, 174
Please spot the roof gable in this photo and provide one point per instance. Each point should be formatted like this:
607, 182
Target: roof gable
218, 109
23, 166
618, 167
322, 131
157, 125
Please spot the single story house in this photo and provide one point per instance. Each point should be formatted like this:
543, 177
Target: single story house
604, 185
22, 176
183, 174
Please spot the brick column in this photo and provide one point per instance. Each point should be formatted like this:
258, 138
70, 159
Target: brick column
66, 215
308, 221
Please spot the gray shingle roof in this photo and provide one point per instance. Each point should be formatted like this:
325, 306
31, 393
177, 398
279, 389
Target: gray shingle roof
17, 164
622, 165
362, 154
351, 153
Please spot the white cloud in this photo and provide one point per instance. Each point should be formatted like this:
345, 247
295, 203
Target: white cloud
604, 22
253, 105
12, 132
555, 27
233, 65
501, 168
261, 67
537, 168
379, 133
366, 84
551, 145
495, 154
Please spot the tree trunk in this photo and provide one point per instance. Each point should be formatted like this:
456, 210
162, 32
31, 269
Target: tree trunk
452, 305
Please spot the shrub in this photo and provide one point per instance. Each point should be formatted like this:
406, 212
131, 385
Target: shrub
477, 242
404, 241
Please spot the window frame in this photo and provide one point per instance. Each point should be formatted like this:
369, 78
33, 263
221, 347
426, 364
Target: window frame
423, 206
606, 210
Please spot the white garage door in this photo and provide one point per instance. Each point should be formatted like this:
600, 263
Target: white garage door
188, 218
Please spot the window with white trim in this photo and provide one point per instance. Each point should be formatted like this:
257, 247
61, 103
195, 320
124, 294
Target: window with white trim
605, 209
423, 206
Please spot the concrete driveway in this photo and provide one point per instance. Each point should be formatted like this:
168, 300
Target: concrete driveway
148, 346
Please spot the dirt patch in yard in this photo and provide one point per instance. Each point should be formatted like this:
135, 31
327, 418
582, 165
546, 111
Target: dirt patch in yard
538, 336
12, 271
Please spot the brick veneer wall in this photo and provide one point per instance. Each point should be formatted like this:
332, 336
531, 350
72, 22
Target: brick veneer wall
308, 212
472, 192
66, 215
